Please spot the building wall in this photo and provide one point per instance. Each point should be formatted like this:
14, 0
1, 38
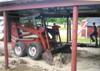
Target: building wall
83, 33
89, 31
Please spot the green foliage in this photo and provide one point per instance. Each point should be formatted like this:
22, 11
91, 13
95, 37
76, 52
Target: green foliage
62, 20
80, 20
57, 20
52, 20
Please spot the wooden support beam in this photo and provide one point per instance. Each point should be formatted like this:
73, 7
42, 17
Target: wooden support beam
5, 39
74, 38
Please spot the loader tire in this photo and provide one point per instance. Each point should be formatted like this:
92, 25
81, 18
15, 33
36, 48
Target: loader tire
34, 51
19, 49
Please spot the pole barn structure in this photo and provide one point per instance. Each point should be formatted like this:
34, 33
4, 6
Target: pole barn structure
77, 7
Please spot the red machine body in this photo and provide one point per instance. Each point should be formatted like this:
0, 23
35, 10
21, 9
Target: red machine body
33, 41
17, 36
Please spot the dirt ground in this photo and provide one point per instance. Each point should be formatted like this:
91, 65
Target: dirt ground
88, 60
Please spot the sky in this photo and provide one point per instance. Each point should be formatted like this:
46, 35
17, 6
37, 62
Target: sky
5, 0
93, 19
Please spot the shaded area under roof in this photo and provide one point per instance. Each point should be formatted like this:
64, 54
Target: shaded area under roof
51, 8
84, 11
29, 4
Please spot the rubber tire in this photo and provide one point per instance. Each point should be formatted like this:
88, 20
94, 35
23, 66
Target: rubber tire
22, 47
38, 48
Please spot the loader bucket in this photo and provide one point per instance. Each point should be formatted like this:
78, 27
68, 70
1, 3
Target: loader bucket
47, 56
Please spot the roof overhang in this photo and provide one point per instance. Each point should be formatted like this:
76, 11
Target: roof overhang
86, 7
48, 3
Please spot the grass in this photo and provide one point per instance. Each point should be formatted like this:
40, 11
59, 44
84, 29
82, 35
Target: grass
83, 40
79, 39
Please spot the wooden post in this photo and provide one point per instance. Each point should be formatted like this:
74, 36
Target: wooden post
99, 37
5, 39
67, 30
74, 38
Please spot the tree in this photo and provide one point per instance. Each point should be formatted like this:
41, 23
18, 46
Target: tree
57, 20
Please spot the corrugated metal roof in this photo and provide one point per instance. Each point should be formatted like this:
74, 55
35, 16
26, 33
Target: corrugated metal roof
92, 10
75, 2
86, 8
29, 4
31, 1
